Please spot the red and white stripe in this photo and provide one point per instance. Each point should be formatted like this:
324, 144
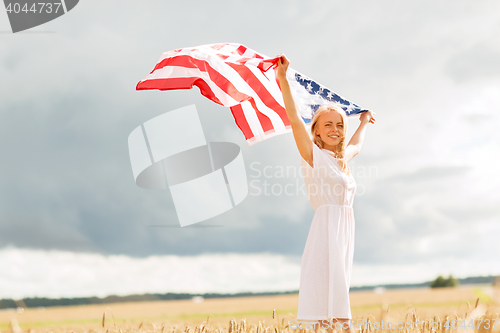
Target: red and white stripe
231, 75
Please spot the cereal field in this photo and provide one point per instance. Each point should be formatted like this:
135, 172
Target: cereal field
255, 314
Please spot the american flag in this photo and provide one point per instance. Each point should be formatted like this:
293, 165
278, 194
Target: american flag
235, 76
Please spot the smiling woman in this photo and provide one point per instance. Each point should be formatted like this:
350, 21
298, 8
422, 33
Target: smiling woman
329, 128
328, 254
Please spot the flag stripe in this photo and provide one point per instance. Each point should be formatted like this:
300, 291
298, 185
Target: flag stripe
180, 72
240, 50
181, 83
204, 66
264, 120
241, 121
261, 91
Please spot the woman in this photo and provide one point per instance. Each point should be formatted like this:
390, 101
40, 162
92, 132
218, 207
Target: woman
328, 254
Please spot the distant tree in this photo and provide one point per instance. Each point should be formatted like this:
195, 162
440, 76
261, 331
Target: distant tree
441, 282
438, 283
451, 282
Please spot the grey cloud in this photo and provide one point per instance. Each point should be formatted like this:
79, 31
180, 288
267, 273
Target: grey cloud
404, 208
38, 231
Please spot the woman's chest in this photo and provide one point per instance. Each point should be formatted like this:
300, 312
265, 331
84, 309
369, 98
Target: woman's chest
331, 173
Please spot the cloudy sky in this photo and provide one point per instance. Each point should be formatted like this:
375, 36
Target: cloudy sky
74, 223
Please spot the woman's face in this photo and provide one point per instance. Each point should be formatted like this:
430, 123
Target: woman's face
330, 129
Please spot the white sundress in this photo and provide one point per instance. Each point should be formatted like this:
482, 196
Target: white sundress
328, 254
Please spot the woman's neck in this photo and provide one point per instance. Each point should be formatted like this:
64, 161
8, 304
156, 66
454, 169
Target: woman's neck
329, 147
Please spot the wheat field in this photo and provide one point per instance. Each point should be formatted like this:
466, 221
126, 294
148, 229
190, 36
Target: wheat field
268, 314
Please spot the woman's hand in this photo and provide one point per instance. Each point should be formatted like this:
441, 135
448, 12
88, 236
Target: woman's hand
367, 117
283, 63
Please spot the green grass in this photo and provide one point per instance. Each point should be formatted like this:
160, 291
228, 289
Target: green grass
483, 297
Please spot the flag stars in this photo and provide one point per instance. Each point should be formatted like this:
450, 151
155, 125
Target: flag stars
349, 108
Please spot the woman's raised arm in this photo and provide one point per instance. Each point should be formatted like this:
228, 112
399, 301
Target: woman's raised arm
354, 145
299, 129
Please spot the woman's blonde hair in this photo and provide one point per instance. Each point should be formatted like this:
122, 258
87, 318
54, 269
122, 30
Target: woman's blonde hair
339, 151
